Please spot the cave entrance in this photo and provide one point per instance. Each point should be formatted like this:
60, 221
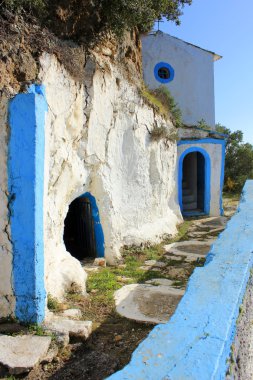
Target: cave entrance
193, 183
79, 230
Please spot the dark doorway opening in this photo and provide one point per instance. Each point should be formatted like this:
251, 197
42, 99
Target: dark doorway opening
79, 233
193, 183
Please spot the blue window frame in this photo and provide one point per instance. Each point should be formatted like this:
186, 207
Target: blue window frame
164, 72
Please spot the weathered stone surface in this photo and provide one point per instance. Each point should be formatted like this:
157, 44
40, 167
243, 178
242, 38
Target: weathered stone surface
95, 134
50, 355
158, 264
190, 248
72, 313
149, 267
62, 325
160, 281
21, 353
173, 257
147, 303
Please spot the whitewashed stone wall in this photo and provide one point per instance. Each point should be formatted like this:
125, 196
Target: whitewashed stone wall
98, 140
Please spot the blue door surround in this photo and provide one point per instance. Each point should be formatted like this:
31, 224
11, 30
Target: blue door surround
99, 235
207, 193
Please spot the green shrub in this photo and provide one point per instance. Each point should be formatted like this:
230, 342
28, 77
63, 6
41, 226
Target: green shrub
164, 96
164, 102
88, 20
30, 5
53, 304
203, 125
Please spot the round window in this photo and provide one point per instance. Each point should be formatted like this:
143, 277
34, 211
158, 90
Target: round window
163, 72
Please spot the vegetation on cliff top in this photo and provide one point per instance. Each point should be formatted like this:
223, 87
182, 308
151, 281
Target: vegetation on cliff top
238, 160
86, 20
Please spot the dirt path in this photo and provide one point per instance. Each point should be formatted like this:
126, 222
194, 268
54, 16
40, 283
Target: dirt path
114, 338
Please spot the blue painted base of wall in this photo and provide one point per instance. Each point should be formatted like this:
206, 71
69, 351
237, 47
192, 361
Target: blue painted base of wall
26, 191
195, 343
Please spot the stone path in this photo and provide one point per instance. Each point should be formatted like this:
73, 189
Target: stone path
156, 300
19, 354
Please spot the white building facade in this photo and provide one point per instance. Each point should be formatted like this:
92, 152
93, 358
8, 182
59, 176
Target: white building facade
188, 73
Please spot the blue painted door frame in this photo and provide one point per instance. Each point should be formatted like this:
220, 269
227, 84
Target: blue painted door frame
207, 190
99, 235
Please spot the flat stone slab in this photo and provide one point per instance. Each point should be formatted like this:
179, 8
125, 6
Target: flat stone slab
21, 353
160, 281
154, 263
147, 303
65, 326
72, 313
190, 248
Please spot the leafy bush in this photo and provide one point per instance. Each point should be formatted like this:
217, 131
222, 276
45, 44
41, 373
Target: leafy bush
30, 5
90, 19
203, 125
164, 96
238, 160
162, 99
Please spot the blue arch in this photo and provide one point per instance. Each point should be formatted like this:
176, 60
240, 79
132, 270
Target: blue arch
169, 67
207, 177
99, 235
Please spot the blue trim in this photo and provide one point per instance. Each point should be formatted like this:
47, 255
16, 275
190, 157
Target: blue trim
212, 132
160, 65
201, 141
193, 213
207, 178
26, 191
99, 235
222, 175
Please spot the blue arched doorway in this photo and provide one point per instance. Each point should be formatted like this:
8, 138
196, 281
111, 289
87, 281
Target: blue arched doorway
83, 234
194, 182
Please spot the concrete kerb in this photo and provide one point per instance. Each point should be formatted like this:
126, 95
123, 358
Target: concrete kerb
195, 343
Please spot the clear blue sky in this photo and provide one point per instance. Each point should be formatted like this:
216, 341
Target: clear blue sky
226, 28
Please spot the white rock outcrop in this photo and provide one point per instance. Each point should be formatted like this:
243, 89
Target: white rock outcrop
98, 140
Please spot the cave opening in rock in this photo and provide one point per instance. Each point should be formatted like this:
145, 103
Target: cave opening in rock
79, 232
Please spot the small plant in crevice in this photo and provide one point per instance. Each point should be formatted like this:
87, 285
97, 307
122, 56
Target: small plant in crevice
159, 133
163, 94
203, 125
163, 101
53, 304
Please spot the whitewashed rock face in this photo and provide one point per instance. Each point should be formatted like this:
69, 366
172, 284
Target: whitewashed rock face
7, 301
98, 140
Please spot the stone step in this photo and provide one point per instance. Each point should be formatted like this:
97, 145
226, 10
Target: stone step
187, 191
188, 198
19, 354
190, 206
65, 328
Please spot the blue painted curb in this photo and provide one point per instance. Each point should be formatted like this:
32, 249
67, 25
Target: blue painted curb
195, 343
26, 191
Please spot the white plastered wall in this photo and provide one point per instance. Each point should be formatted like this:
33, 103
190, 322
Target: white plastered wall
215, 153
193, 84
98, 140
